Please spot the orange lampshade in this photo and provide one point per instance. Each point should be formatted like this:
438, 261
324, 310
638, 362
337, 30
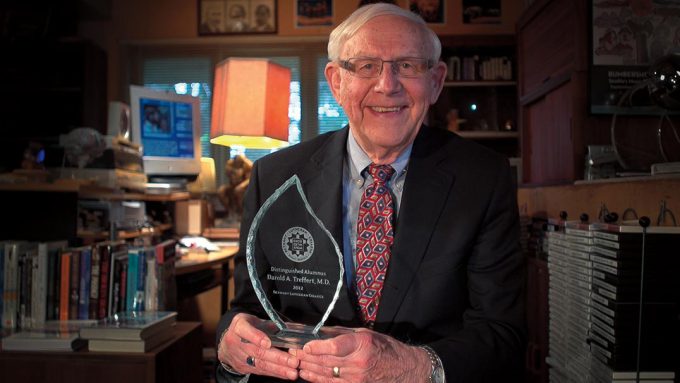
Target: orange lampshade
250, 104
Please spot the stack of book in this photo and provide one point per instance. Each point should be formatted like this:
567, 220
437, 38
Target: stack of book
43, 340
131, 331
570, 274
622, 283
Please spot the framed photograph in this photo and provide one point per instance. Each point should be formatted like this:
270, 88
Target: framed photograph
481, 11
225, 17
313, 13
432, 11
626, 40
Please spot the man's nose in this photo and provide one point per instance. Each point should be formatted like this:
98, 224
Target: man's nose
388, 81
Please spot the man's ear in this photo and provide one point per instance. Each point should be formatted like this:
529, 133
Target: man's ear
438, 76
332, 73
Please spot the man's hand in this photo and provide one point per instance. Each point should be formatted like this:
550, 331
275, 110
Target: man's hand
248, 350
362, 356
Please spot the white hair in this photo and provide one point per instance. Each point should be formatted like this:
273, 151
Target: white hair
348, 28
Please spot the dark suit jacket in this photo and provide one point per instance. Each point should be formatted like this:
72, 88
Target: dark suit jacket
456, 275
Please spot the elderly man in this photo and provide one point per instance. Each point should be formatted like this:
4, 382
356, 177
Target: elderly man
447, 303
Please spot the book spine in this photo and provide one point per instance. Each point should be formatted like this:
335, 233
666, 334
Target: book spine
11, 287
74, 285
113, 286
25, 272
140, 295
2, 279
132, 279
123, 285
95, 274
151, 283
52, 285
84, 283
64, 286
105, 264
39, 309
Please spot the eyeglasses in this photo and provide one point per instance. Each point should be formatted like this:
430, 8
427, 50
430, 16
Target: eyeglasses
370, 67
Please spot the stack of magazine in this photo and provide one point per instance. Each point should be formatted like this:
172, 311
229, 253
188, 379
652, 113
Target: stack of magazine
131, 331
53, 336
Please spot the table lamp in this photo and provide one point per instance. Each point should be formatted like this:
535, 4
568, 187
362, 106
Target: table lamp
250, 104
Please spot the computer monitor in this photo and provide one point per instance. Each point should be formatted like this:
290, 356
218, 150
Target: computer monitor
168, 126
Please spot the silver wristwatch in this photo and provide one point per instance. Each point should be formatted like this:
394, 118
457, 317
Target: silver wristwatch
437, 375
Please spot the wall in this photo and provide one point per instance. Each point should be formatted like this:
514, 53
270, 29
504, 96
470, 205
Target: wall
174, 21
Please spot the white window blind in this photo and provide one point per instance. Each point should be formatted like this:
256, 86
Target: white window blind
330, 114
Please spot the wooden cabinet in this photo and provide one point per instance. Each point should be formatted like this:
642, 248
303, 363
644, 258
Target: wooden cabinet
177, 360
555, 125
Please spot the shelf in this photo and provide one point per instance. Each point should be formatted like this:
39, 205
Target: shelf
126, 234
464, 84
88, 191
486, 134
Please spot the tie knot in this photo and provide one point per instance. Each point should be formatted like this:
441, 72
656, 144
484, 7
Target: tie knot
380, 173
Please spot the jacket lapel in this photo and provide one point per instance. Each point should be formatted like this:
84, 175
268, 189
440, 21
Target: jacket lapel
426, 189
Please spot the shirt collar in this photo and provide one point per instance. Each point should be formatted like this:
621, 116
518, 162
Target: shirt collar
359, 160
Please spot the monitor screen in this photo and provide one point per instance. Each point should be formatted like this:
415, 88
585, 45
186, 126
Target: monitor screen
168, 126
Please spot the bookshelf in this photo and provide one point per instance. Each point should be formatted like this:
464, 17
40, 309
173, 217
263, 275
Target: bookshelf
177, 360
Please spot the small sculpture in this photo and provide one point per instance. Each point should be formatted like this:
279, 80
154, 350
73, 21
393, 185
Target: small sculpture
238, 174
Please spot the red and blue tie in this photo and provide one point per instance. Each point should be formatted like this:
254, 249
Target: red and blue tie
375, 235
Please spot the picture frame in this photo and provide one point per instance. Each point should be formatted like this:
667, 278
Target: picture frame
234, 17
432, 11
313, 13
625, 41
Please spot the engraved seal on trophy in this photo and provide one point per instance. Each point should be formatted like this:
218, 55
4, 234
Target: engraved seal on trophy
297, 244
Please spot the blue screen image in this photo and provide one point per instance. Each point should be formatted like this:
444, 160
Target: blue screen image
166, 128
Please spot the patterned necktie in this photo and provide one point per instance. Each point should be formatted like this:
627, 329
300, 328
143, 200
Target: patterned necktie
375, 236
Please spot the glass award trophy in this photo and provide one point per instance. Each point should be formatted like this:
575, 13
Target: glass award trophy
295, 266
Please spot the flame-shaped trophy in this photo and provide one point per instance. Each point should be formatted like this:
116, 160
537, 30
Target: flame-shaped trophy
295, 266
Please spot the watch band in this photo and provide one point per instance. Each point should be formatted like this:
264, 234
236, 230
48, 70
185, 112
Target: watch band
436, 374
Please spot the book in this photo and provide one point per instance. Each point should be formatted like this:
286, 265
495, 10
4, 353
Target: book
74, 284
130, 325
95, 275
43, 340
84, 283
116, 302
10, 309
64, 285
139, 345
53, 283
47, 253
106, 250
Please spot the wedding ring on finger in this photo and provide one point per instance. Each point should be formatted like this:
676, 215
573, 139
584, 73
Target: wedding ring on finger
250, 361
336, 372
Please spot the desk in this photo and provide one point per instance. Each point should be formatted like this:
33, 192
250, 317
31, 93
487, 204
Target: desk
178, 360
198, 271
198, 275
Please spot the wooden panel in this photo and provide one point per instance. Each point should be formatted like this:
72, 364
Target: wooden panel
644, 194
547, 140
547, 44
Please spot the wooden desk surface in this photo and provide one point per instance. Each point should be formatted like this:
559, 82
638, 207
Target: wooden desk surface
197, 260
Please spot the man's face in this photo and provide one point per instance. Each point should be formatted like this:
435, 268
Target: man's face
386, 112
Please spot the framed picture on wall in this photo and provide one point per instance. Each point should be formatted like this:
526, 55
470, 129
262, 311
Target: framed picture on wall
313, 13
626, 40
432, 11
227, 17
